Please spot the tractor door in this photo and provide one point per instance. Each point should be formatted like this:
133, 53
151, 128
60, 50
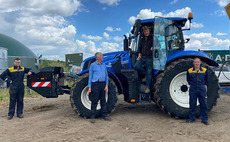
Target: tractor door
159, 43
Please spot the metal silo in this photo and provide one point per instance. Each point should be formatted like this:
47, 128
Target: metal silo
17, 50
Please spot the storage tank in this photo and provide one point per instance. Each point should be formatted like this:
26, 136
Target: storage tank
3, 64
17, 50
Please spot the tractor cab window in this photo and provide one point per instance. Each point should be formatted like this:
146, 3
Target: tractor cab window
173, 38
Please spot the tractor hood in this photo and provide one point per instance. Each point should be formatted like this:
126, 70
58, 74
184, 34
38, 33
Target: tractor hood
109, 59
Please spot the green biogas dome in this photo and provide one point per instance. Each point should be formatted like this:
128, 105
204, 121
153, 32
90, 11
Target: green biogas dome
16, 49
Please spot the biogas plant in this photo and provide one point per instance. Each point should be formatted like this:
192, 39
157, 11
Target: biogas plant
10, 49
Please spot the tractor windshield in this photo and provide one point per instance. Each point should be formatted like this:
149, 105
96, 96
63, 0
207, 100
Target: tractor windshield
173, 38
167, 38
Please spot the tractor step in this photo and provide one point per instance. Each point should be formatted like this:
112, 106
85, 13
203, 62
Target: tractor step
145, 98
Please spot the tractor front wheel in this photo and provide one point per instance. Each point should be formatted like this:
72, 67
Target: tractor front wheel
80, 100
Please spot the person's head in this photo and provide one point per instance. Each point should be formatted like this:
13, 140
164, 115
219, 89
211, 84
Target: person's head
99, 56
17, 62
146, 31
197, 62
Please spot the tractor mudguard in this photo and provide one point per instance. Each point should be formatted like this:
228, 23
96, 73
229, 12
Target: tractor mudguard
192, 54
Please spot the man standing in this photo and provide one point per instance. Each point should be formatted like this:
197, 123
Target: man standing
98, 86
197, 78
145, 57
15, 76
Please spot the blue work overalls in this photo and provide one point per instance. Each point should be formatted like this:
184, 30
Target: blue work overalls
15, 76
197, 79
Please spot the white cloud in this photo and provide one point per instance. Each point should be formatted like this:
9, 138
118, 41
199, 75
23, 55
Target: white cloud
117, 38
111, 29
201, 35
221, 34
206, 41
148, 13
197, 25
106, 35
87, 48
118, 29
109, 47
41, 25
174, 1
52, 57
41, 7
219, 13
110, 2
90, 37
222, 3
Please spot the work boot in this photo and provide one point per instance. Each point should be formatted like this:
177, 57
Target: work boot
144, 79
147, 90
205, 123
9, 117
92, 120
20, 116
107, 118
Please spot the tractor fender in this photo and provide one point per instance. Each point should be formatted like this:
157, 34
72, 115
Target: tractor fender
191, 54
117, 82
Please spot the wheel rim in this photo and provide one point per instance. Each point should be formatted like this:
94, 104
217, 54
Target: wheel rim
85, 99
179, 90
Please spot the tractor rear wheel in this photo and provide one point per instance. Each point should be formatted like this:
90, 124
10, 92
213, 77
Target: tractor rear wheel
80, 100
172, 89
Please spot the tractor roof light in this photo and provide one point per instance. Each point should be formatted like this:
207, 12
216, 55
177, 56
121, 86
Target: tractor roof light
190, 16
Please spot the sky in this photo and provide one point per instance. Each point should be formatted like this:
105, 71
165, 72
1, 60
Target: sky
53, 28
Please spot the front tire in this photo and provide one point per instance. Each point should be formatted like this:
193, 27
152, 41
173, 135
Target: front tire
80, 100
172, 89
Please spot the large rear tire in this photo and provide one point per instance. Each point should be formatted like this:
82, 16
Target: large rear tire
172, 89
80, 100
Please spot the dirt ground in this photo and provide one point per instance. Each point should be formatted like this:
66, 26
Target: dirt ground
54, 120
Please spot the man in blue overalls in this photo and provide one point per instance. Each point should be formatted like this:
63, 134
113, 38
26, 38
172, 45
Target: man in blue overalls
197, 78
15, 76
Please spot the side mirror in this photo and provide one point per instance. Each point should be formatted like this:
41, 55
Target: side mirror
190, 17
187, 40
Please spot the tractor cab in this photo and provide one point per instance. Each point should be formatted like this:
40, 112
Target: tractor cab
167, 37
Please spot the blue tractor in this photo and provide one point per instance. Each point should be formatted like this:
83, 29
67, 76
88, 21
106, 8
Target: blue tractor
169, 88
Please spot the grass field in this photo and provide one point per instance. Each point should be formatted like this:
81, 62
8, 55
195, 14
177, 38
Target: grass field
4, 94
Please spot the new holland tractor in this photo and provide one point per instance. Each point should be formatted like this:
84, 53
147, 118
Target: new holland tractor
169, 88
